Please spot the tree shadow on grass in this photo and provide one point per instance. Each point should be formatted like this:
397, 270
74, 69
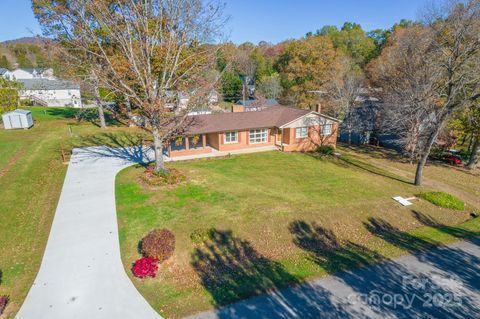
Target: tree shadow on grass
466, 266
450, 230
231, 269
327, 251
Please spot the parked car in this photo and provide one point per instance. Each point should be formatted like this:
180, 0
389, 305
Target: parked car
452, 159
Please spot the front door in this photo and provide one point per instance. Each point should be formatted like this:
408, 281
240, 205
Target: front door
279, 136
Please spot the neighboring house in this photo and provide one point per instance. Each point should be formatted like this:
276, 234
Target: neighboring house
4, 73
287, 128
51, 92
253, 105
29, 73
179, 100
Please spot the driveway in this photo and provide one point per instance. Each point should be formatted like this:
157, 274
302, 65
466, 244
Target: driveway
81, 275
443, 283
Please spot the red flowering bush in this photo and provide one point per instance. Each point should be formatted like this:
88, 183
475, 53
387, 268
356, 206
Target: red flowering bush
3, 303
159, 244
145, 267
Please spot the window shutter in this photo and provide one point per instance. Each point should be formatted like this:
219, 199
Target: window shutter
269, 137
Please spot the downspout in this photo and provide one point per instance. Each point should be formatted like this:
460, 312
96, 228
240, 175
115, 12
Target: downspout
281, 141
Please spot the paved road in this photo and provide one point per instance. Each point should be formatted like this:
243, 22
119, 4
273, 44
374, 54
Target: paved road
81, 275
444, 283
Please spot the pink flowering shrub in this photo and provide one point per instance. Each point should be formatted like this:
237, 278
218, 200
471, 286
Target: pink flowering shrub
3, 303
145, 267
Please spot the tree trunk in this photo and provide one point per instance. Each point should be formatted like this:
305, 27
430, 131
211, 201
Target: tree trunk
158, 147
472, 163
101, 113
426, 152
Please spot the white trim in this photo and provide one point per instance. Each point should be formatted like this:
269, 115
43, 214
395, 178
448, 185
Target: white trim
309, 113
301, 128
261, 133
231, 142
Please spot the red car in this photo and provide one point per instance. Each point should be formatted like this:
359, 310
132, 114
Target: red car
452, 159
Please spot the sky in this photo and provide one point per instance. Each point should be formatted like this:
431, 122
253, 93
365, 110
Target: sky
258, 20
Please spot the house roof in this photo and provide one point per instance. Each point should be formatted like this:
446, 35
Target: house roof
275, 116
44, 84
18, 111
249, 103
32, 70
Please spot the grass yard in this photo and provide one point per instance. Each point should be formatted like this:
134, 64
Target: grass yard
31, 177
250, 223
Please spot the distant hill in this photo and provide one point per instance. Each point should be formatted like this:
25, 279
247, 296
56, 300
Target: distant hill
26, 40
26, 52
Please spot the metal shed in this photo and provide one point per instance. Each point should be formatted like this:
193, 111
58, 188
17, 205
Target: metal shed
17, 119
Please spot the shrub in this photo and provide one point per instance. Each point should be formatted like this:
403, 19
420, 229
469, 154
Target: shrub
3, 303
159, 244
201, 235
170, 177
145, 267
326, 149
443, 200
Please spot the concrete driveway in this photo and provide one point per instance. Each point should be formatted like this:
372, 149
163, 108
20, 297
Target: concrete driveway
81, 275
442, 283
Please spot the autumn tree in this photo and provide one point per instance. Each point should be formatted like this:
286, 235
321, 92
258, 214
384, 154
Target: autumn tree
305, 66
144, 50
8, 95
448, 74
352, 40
407, 94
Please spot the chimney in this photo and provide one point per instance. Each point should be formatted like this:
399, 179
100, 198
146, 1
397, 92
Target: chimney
318, 108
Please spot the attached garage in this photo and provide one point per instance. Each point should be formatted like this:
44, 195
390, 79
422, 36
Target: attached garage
17, 119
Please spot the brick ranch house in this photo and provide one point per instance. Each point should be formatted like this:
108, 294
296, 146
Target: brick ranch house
287, 128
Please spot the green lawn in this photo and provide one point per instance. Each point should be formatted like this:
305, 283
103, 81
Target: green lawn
31, 177
261, 221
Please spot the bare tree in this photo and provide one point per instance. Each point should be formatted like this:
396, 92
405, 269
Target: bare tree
456, 55
446, 77
344, 90
143, 50
407, 95
270, 86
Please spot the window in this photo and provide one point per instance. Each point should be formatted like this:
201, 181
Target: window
302, 132
230, 137
327, 129
258, 136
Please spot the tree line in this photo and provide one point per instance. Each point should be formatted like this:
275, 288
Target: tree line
424, 72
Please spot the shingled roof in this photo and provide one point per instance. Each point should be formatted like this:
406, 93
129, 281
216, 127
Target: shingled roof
274, 116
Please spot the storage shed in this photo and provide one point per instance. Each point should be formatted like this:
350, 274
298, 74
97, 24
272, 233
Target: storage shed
17, 119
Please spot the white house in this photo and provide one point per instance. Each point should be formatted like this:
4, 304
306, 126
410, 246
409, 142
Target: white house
29, 73
51, 92
17, 119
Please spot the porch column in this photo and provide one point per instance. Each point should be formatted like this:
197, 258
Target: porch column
187, 143
204, 141
169, 149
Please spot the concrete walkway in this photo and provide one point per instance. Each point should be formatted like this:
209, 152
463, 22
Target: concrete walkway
443, 283
81, 275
